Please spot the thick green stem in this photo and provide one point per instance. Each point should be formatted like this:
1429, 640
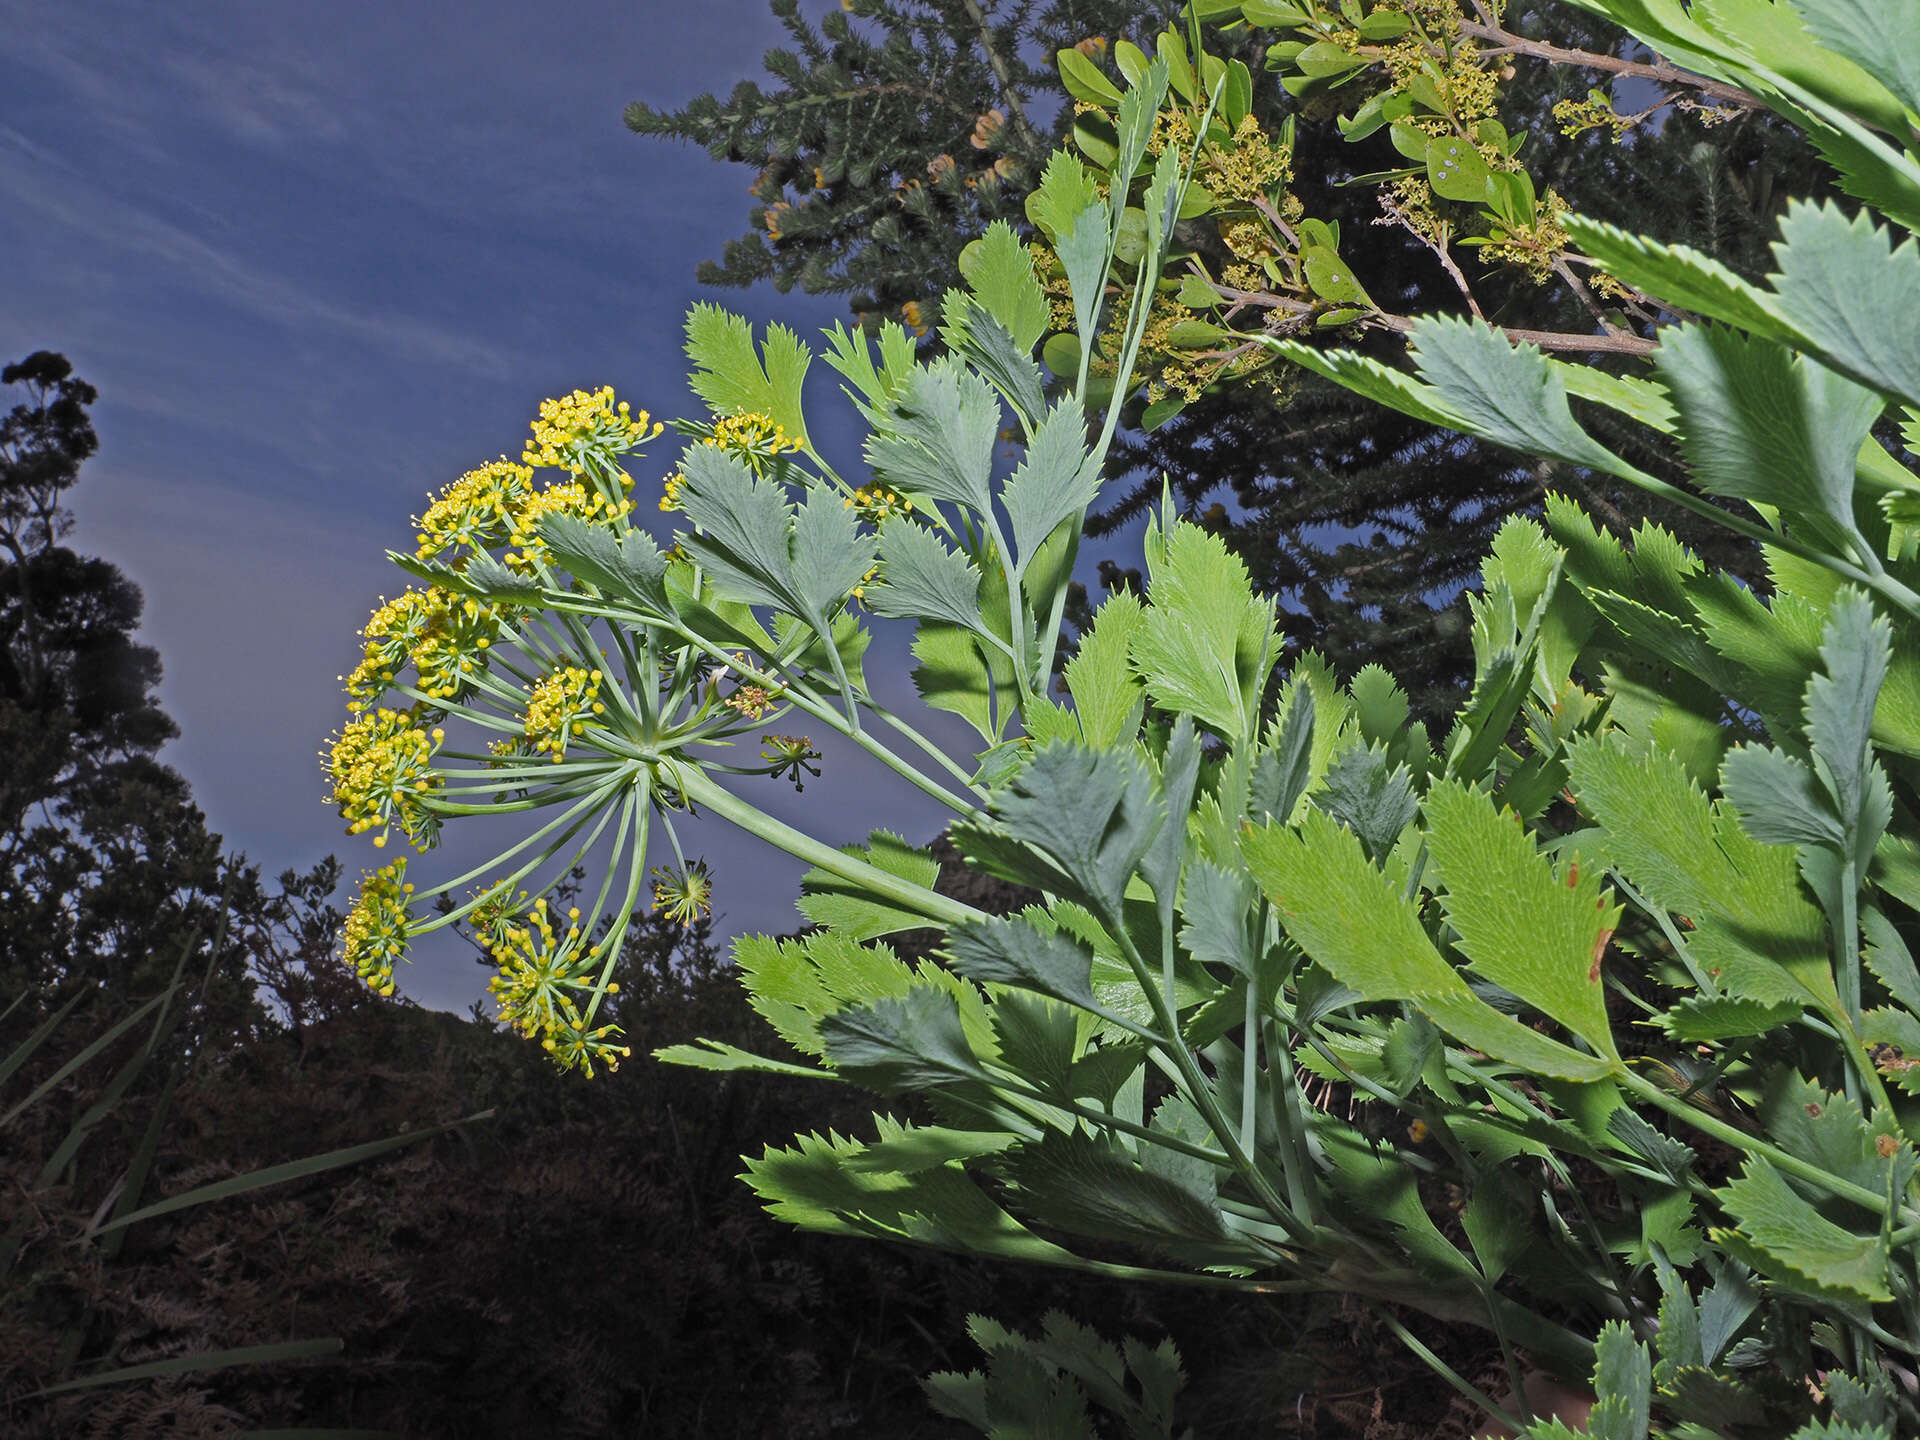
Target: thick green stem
700, 790
1753, 1145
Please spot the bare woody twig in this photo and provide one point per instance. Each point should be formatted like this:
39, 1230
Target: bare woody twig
1660, 71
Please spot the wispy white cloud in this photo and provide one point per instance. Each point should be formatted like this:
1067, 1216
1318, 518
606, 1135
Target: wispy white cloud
36, 178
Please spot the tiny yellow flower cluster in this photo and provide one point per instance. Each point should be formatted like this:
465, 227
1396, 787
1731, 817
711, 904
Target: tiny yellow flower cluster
442, 635
752, 434
375, 933
567, 498
476, 511
571, 427
560, 706
493, 915
382, 769
877, 504
683, 895
539, 967
752, 701
754, 437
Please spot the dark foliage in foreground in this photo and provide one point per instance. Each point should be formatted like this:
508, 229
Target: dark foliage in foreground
584, 1263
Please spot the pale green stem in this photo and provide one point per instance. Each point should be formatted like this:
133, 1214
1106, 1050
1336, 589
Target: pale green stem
616, 938
514, 778
466, 712
1198, 1091
826, 715
1016, 1086
446, 886
1453, 1377
939, 756
1673, 936
1250, 1071
538, 801
917, 899
1741, 1140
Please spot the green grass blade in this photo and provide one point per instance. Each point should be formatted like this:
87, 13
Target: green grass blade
23, 1052
95, 1113
204, 1360
278, 1174
85, 1055
142, 1163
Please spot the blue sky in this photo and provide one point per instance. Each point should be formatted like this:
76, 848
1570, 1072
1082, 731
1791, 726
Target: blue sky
321, 259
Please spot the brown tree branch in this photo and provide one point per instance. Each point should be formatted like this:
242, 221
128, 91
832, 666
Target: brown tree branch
1660, 71
1557, 340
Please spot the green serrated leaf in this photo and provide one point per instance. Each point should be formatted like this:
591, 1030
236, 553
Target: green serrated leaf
921, 579
944, 424
1844, 287
1371, 796
1083, 817
1206, 639
1002, 278
1535, 931
970, 330
1074, 1183
1106, 691
953, 676
1623, 1381
1506, 393
905, 1042
626, 567
729, 374
1692, 857
1012, 952
1284, 769
1761, 423
1796, 1243
1882, 37
746, 547
1684, 277
836, 903
1219, 907
819, 1185
1351, 919
1056, 481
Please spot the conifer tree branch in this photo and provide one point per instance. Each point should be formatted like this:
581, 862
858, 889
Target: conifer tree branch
1003, 73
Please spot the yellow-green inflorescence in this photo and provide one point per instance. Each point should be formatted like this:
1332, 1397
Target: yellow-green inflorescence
561, 706
574, 429
381, 765
544, 972
757, 439
539, 690
375, 933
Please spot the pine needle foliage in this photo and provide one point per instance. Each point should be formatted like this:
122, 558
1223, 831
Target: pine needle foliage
890, 134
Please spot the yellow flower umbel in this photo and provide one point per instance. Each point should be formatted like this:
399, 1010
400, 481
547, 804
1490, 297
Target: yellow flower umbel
574, 427
540, 969
562, 705
375, 933
382, 769
754, 437
568, 498
475, 512
876, 504
683, 895
443, 636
